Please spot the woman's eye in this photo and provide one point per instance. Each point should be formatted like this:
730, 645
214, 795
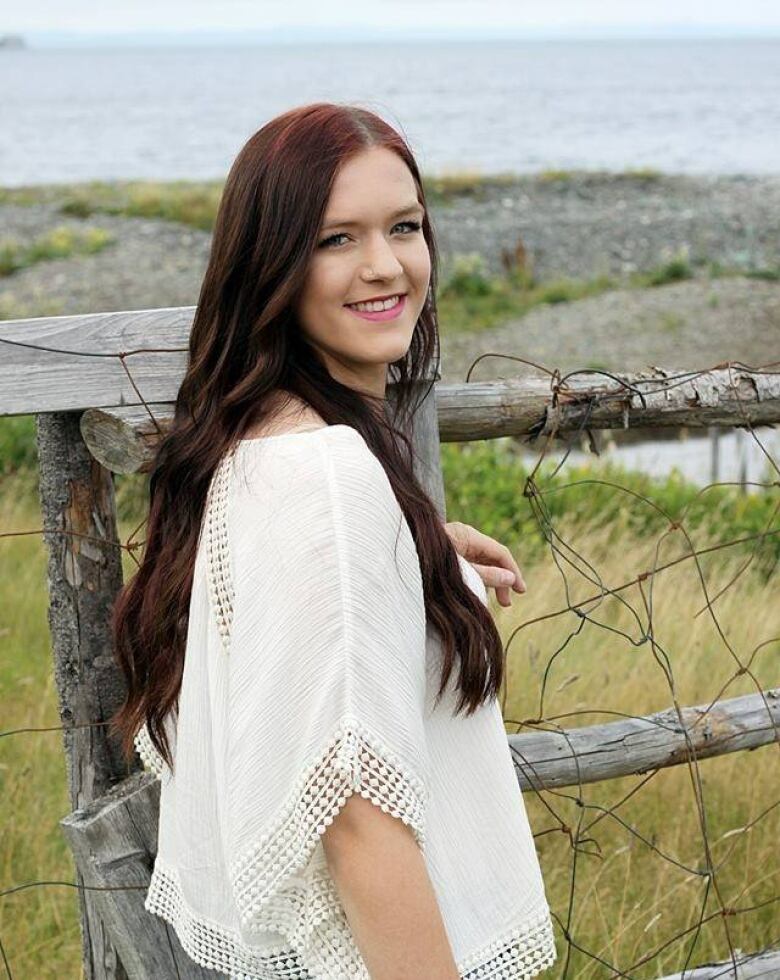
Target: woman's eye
333, 238
413, 225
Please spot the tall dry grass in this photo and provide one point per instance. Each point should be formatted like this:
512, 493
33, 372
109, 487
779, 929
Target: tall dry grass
617, 897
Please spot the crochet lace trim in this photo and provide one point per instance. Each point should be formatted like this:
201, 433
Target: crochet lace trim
219, 576
219, 584
269, 897
354, 760
212, 945
521, 953
518, 954
150, 757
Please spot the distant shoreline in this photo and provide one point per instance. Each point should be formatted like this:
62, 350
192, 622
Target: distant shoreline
289, 37
467, 179
688, 105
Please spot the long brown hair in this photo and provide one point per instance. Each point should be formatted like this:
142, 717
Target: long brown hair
246, 345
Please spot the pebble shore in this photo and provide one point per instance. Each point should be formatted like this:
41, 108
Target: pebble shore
581, 226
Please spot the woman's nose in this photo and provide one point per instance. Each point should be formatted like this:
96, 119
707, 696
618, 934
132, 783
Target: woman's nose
381, 261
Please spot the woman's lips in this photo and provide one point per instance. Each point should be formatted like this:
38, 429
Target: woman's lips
382, 315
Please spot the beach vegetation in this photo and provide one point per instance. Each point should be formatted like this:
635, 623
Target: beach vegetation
674, 270
57, 243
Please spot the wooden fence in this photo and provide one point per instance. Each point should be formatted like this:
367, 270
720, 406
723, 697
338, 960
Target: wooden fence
102, 387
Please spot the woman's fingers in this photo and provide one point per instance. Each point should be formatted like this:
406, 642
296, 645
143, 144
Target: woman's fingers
493, 560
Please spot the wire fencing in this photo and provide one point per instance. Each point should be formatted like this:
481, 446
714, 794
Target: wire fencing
557, 759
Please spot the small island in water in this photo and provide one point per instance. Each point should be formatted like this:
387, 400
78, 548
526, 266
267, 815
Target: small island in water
12, 42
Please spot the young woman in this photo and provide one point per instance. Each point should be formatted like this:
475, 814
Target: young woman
337, 801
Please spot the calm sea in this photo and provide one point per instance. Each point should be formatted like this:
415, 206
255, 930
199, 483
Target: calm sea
705, 106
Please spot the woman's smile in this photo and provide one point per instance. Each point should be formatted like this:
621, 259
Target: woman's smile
378, 313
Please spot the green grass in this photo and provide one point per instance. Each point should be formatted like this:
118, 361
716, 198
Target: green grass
17, 444
674, 270
770, 275
191, 203
195, 202
626, 899
485, 480
672, 322
471, 298
637, 174
618, 894
58, 243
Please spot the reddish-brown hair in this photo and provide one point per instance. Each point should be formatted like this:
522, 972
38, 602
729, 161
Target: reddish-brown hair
246, 344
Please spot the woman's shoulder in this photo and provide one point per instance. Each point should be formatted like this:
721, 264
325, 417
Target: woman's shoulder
306, 494
287, 414
322, 461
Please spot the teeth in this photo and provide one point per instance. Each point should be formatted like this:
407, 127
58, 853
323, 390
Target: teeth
377, 306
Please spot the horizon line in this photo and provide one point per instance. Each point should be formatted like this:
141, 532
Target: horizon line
344, 33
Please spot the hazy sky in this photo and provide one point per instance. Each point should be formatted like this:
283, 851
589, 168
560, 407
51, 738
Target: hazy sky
516, 15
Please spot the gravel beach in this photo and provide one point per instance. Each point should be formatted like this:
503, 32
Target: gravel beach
580, 226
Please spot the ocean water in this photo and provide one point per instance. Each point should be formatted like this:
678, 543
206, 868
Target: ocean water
686, 106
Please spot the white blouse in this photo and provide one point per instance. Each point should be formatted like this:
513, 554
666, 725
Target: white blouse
310, 673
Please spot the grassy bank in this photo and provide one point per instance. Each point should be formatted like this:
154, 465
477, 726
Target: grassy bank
59, 243
195, 202
470, 298
627, 899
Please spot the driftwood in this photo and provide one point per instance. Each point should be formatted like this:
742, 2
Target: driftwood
80, 367
658, 397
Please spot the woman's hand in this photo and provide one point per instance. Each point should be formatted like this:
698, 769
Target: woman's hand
492, 560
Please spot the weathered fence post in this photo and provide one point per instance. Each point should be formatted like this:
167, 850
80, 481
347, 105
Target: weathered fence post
114, 841
84, 575
425, 441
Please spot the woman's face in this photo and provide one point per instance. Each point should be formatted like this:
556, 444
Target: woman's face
370, 244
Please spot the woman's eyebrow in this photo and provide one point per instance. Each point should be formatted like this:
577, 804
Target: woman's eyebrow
398, 214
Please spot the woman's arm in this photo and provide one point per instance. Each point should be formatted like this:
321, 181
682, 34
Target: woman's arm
382, 880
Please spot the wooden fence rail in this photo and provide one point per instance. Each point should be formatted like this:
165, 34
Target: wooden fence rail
124, 439
86, 378
104, 360
573, 756
749, 966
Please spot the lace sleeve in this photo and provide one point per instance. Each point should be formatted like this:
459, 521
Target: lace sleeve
325, 635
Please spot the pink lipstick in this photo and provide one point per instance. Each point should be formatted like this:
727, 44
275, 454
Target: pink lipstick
381, 315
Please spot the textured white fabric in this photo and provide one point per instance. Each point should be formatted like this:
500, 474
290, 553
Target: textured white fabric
310, 674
